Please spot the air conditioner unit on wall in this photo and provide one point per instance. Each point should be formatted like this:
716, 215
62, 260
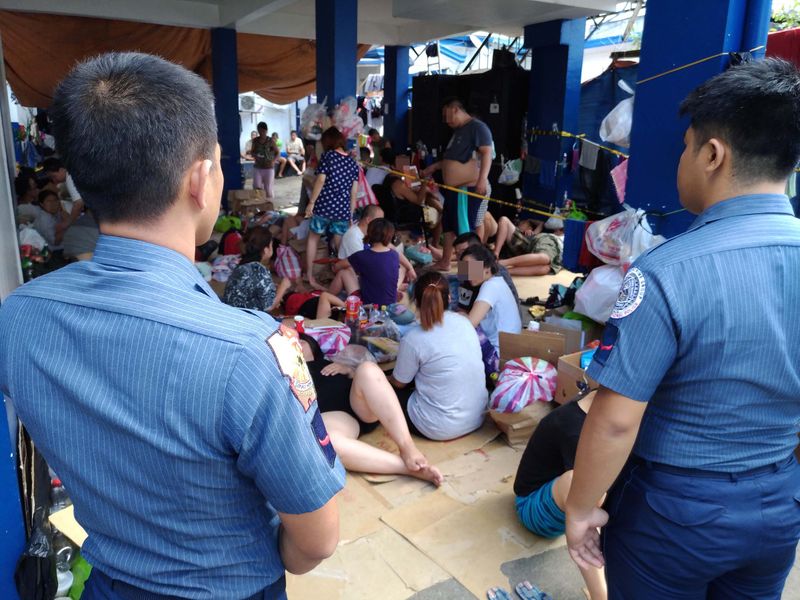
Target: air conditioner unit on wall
248, 104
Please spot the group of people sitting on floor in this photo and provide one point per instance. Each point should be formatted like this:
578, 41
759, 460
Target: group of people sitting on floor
439, 386
48, 201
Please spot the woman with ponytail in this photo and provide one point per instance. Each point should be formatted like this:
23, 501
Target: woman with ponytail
439, 367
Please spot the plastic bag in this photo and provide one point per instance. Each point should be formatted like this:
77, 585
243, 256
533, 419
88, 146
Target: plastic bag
510, 173
616, 126
365, 195
346, 119
611, 239
598, 294
287, 263
353, 355
331, 340
28, 236
523, 381
312, 121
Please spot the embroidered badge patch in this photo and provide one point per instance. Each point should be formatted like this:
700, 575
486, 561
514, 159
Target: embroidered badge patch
285, 345
323, 439
631, 294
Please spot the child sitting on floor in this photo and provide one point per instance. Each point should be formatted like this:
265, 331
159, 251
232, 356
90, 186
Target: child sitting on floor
544, 478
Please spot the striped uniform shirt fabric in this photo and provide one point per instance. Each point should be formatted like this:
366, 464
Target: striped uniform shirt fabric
711, 339
179, 425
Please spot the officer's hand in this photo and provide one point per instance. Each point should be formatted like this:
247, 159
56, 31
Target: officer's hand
583, 538
337, 369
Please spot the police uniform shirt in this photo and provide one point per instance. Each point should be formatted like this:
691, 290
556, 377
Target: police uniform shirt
707, 330
179, 425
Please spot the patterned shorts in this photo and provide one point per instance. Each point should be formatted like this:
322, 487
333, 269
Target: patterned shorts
321, 225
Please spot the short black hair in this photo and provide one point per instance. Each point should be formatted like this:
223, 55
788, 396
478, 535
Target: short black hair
51, 165
755, 108
45, 194
22, 181
364, 153
482, 254
453, 101
388, 156
262, 125
470, 238
373, 131
128, 126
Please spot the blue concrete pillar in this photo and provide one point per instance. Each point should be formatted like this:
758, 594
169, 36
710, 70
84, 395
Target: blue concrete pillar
554, 101
396, 83
337, 25
12, 529
676, 33
225, 73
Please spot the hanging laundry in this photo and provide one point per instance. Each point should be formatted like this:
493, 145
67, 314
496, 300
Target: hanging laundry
589, 156
619, 175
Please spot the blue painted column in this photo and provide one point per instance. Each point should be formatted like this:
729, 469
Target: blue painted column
554, 101
553, 104
337, 25
12, 528
396, 83
704, 29
225, 73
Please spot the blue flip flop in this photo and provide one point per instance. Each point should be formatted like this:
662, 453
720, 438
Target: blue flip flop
497, 593
527, 591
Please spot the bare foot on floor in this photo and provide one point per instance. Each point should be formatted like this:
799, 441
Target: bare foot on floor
429, 473
414, 459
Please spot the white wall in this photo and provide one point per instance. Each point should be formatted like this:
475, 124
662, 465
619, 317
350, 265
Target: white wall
278, 118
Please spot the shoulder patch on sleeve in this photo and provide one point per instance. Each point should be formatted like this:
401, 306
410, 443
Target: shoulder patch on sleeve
285, 346
631, 294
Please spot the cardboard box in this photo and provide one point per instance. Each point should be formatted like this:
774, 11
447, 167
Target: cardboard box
518, 427
248, 201
539, 344
570, 375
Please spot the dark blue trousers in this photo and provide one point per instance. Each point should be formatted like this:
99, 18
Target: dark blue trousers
683, 534
100, 586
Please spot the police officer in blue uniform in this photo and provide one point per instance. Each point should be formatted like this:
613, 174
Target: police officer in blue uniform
699, 407
186, 431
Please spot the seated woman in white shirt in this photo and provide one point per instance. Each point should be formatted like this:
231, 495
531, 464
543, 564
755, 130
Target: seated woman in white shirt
442, 359
495, 309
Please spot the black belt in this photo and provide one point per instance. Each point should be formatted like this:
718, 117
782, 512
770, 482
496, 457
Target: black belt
763, 470
126, 591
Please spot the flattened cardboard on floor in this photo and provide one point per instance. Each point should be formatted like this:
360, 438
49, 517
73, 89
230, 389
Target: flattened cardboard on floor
469, 542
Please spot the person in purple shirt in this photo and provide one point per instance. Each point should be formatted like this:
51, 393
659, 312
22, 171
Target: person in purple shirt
378, 267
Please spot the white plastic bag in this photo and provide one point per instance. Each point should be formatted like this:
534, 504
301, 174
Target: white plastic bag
616, 126
28, 236
510, 173
598, 294
621, 238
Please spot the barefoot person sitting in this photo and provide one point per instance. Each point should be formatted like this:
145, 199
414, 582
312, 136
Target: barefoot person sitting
532, 252
354, 402
544, 478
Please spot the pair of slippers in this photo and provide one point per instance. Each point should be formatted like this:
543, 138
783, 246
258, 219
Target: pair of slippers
525, 590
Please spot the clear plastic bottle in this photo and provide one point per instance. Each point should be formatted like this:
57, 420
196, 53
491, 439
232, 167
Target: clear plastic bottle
64, 552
